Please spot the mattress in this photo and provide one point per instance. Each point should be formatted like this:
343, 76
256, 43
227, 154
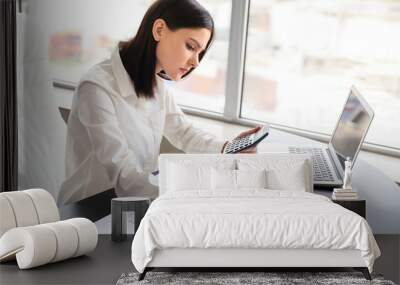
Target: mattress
250, 219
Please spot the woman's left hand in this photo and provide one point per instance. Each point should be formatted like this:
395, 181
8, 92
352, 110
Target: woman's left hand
246, 133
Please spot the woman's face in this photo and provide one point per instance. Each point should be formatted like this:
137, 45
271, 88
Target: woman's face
178, 51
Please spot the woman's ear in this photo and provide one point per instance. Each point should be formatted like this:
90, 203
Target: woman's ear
159, 27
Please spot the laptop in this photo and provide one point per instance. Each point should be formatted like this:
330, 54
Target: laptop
346, 141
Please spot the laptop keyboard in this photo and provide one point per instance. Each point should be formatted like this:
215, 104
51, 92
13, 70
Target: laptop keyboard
322, 172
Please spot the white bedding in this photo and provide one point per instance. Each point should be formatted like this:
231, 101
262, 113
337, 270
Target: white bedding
251, 218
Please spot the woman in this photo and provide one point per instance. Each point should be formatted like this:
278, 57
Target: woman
122, 108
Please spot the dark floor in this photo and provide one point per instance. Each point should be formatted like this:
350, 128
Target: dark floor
111, 259
389, 262
102, 266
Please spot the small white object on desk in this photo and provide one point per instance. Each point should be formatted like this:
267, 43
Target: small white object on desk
347, 174
346, 192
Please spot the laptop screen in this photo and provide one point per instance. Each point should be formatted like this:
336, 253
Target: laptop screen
352, 127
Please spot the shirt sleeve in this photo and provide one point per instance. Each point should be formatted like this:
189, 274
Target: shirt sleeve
97, 113
183, 135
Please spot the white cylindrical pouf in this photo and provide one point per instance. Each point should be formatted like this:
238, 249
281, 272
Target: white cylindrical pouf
40, 244
40, 247
67, 240
87, 234
23, 208
31, 232
45, 205
34, 246
7, 218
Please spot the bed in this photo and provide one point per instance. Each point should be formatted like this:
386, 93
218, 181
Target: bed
247, 211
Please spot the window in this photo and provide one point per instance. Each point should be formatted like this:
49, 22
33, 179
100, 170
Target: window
205, 87
303, 56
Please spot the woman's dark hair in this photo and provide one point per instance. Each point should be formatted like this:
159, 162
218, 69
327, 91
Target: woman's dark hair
139, 54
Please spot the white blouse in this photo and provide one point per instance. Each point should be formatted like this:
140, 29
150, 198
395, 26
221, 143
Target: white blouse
113, 137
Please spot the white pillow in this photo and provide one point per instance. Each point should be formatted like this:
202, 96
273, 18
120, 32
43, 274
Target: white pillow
251, 178
223, 179
171, 177
287, 179
181, 177
285, 173
197, 160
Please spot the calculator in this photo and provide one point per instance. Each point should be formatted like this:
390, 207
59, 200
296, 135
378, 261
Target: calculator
248, 141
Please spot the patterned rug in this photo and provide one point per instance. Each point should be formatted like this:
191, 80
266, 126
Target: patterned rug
243, 278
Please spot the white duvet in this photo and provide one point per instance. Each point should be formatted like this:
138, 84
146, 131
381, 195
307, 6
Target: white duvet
252, 218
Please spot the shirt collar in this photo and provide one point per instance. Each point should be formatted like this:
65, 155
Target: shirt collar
124, 82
